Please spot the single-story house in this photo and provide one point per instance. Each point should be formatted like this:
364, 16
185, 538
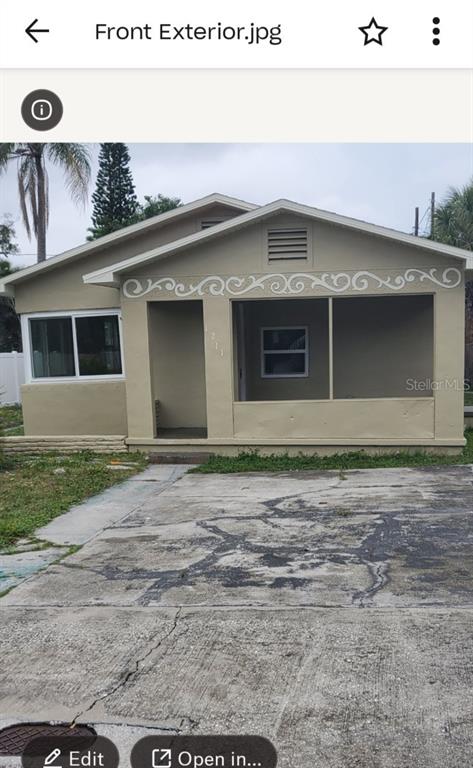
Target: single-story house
224, 325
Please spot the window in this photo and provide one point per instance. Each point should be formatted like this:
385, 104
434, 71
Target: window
76, 345
287, 243
284, 352
98, 346
52, 347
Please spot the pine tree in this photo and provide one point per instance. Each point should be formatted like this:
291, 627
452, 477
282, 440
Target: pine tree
114, 199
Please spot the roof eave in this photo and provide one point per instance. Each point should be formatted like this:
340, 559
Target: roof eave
6, 290
469, 270
105, 279
111, 275
123, 234
98, 276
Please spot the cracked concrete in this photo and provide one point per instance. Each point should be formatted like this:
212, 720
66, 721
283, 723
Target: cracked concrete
128, 674
329, 612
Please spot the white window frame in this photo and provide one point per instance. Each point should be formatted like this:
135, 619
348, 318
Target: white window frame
304, 352
28, 350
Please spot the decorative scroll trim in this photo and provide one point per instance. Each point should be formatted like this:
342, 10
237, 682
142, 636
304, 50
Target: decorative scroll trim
286, 285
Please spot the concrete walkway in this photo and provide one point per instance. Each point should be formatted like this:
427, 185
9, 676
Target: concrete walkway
83, 522
86, 520
330, 612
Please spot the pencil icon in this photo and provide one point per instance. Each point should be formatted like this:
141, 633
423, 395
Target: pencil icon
52, 756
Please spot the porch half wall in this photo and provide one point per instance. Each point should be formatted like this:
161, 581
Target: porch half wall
396, 419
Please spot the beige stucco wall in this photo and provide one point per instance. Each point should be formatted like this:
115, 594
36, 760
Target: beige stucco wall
140, 400
333, 251
331, 248
382, 345
342, 419
177, 362
394, 270
100, 407
63, 288
218, 340
75, 408
449, 334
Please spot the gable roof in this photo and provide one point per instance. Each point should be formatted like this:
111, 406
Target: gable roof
122, 235
111, 275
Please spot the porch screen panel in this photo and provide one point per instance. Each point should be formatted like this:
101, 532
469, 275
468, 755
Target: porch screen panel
98, 345
383, 346
51, 347
283, 349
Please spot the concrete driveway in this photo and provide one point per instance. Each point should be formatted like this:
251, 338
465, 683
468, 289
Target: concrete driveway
330, 612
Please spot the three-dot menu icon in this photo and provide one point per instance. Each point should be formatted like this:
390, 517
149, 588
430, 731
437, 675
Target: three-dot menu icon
436, 31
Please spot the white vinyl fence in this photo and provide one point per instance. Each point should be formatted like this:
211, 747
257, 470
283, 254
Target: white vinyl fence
12, 376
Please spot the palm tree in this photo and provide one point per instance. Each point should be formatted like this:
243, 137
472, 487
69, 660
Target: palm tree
31, 161
453, 220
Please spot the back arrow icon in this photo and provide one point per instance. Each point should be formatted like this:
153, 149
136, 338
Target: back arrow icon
31, 31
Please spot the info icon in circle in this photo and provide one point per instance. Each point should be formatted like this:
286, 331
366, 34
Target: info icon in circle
42, 110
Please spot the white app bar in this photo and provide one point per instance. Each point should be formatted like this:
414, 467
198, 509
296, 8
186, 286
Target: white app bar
53, 34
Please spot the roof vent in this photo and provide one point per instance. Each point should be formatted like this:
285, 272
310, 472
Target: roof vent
207, 223
287, 243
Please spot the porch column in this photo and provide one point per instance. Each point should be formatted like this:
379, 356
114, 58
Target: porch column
449, 351
218, 366
139, 391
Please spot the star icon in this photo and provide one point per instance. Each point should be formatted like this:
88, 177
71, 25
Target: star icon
373, 32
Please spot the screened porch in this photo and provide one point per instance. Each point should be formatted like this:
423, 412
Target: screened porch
330, 349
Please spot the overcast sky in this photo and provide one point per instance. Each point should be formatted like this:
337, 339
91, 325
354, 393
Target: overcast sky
380, 183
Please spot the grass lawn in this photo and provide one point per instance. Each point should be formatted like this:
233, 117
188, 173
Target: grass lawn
10, 416
32, 493
253, 462
15, 432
